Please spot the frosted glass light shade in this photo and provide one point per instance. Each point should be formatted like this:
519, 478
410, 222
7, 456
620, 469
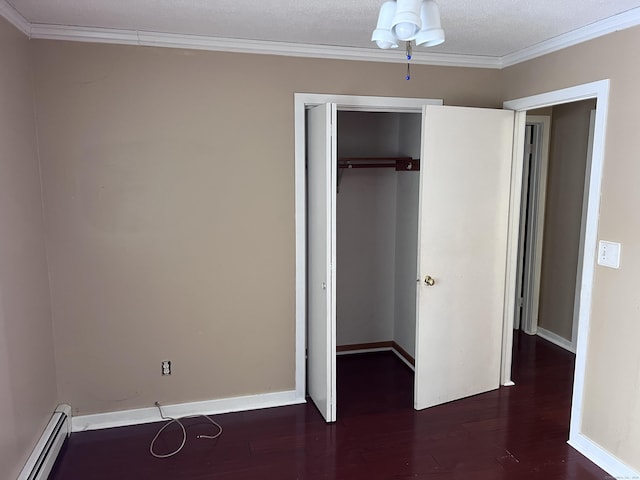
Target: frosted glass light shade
407, 22
431, 33
382, 34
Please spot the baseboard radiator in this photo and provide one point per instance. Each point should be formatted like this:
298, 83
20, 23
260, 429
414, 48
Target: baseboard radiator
46, 451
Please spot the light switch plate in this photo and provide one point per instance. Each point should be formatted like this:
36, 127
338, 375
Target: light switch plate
609, 254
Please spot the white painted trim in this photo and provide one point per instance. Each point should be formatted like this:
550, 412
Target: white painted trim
406, 362
14, 18
344, 102
332, 203
300, 214
379, 349
624, 20
621, 21
364, 350
542, 169
583, 223
237, 45
533, 263
556, 339
519, 307
511, 264
600, 91
602, 458
557, 97
359, 103
208, 407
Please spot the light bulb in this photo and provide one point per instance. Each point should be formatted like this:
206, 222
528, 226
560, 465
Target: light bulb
405, 30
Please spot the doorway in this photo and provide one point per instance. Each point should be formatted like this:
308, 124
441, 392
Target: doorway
462, 246
555, 175
598, 91
319, 197
558, 148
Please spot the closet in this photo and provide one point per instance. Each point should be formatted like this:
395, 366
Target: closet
366, 246
377, 230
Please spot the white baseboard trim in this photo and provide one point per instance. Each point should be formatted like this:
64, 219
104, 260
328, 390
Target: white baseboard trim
556, 339
602, 458
378, 349
401, 357
208, 407
364, 350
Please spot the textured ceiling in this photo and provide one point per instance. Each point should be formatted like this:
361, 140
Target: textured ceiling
488, 27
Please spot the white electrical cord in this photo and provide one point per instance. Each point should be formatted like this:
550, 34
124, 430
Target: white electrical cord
184, 432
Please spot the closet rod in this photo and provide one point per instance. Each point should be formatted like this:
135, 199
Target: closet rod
398, 163
367, 165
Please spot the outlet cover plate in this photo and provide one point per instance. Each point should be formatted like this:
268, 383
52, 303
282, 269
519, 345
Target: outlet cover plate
609, 254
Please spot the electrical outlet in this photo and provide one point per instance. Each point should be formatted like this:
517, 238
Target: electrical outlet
166, 367
609, 254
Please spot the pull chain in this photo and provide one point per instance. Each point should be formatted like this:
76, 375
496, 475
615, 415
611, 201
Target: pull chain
409, 52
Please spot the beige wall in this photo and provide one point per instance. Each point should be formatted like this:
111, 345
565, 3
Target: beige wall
168, 183
28, 392
563, 214
612, 385
169, 202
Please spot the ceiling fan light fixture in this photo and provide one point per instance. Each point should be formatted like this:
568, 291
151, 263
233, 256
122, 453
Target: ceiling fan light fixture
407, 22
382, 34
431, 33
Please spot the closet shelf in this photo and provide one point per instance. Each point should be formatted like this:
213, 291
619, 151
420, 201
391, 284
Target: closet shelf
398, 163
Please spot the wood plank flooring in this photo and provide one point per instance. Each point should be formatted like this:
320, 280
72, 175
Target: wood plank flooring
514, 433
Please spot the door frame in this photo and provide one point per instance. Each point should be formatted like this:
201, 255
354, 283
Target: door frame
532, 264
583, 222
600, 91
344, 102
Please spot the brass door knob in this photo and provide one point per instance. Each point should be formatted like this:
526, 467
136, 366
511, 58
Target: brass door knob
429, 281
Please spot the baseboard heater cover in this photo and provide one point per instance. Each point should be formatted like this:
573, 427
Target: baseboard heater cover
46, 451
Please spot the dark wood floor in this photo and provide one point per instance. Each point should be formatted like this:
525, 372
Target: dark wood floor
513, 433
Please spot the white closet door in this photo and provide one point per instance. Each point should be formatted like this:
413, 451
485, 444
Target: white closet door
321, 245
464, 207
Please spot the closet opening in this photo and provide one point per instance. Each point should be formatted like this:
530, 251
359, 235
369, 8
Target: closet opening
378, 179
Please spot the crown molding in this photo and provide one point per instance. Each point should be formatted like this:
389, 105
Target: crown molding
201, 42
628, 19
11, 14
618, 22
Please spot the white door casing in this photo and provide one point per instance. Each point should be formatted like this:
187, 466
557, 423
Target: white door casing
321, 242
464, 219
533, 210
583, 227
524, 205
600, 91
